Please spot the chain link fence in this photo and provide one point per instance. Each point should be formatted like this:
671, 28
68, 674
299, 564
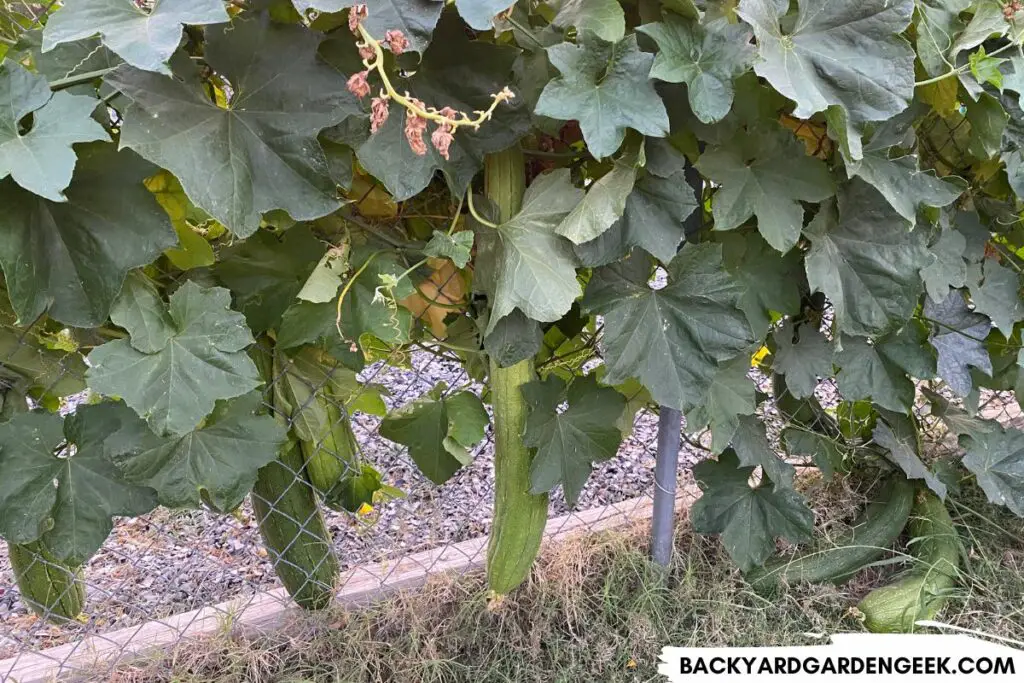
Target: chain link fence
164, 578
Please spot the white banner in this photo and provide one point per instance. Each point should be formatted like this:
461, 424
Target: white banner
851, 658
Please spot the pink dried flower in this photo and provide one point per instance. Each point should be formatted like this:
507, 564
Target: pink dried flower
397, 41
442, 139
449, 113
415, 126
378, 113
366, 51
358, 85
356, 16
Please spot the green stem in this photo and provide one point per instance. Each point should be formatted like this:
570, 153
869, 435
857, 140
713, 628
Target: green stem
472, 211
348, 286
79, 79
960, 69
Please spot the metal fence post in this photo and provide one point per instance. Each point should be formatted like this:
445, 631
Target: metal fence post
670, 424
665, 468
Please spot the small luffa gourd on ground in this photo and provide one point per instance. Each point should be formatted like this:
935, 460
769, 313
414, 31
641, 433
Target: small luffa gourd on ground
921, 595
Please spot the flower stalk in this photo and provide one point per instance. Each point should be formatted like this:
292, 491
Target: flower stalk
418, 114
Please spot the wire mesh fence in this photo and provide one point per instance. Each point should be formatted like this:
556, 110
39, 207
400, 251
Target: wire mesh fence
173, 575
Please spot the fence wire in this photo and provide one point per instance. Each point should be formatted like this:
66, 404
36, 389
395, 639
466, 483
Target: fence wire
170, 576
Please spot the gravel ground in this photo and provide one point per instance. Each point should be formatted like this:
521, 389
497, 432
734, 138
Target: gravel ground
174, 561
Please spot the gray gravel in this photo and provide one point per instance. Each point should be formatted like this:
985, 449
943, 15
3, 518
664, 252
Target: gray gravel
174, 561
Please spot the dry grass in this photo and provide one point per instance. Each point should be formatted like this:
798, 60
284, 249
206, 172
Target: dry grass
594, 609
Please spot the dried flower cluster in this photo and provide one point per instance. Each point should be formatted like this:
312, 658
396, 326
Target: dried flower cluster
417, 114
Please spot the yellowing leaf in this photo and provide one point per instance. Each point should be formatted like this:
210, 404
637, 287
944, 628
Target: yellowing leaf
443, 289
371, 199
813, 135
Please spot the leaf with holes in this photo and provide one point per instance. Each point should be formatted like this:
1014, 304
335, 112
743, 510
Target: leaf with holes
671, 339
42, 160
67, 499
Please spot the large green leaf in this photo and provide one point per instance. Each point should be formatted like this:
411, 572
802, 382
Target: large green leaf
68, 497
707, 59
605, 200
997, 460
443, 79
802, 355
262, 144
603, 18
568, 442
765, 173
865, 260
214, 465
41, 160
652, 219
730, 395
144, 36
879, 370
671, 339
958, 335
266, 272
772, 282
847, 53
937, 23
606, 87
748, 518
947, 268
416, 19
999, 296
69, 258
174, 385
523, 263
901, 181
438, 430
